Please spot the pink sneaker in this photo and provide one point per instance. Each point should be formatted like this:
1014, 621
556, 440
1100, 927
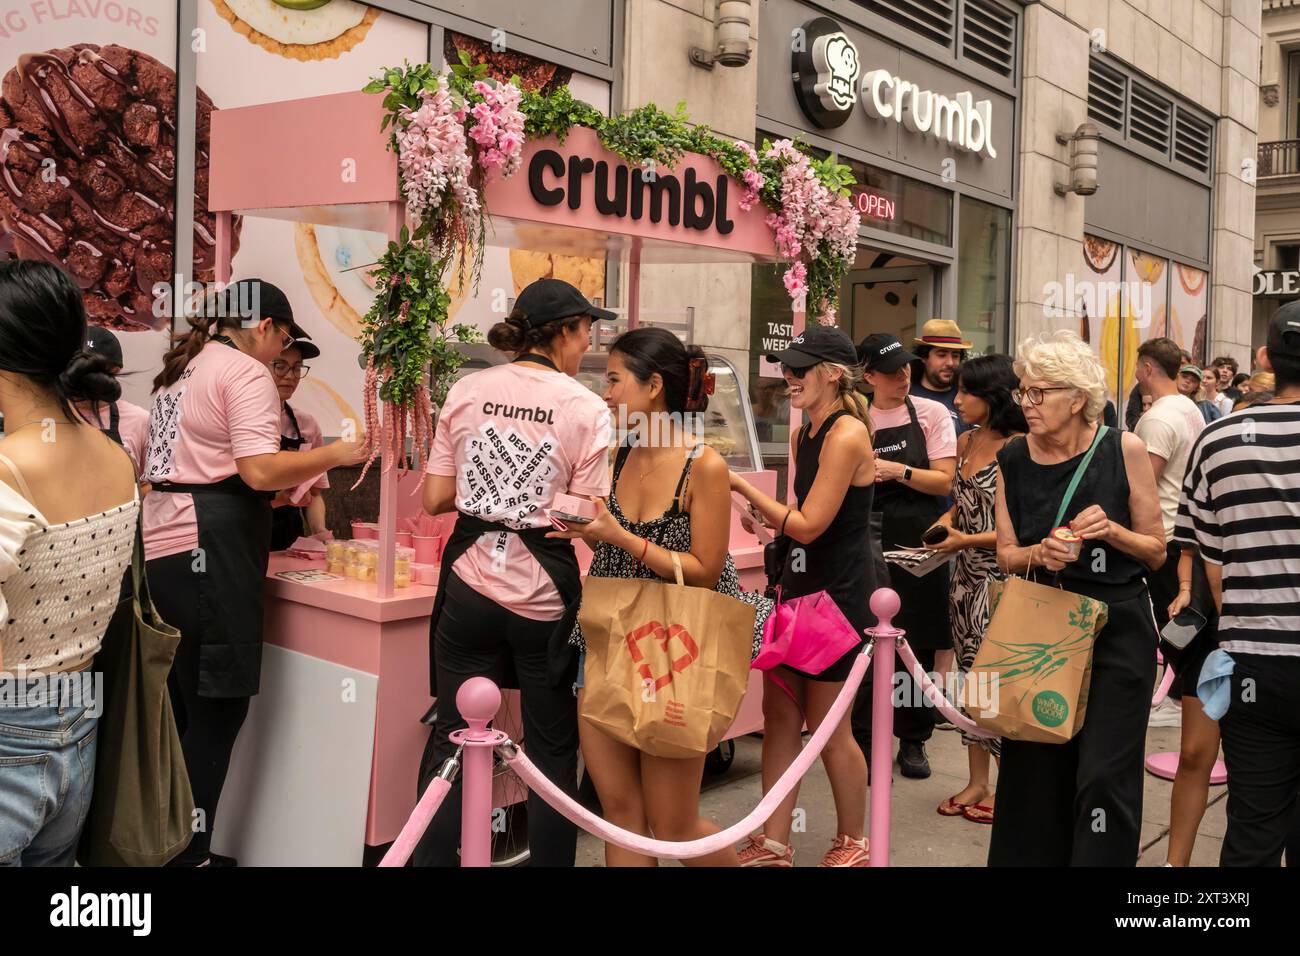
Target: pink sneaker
760, 851
846, 851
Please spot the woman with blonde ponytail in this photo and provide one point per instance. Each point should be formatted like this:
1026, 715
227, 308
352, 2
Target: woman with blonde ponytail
834, 482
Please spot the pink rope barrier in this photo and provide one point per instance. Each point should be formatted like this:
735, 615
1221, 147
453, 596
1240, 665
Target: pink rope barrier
937, 698
563, 804
418, 822
1166, 682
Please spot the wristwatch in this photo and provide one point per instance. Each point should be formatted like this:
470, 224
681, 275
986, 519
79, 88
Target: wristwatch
907, 473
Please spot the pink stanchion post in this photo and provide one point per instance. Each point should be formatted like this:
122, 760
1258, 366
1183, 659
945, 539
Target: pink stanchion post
884, 604
478, 701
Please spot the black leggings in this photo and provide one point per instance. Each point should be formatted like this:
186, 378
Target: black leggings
207, 726
477, 637
1080, 803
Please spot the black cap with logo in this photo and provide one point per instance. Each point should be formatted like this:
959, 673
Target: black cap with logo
549, 300
1284, 330
271, 304
104, 343
817, 343
883, 353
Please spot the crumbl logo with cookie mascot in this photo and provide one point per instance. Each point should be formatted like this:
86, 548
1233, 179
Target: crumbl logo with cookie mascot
836, 60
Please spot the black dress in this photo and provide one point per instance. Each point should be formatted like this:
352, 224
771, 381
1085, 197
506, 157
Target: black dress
1080, 803
839, 560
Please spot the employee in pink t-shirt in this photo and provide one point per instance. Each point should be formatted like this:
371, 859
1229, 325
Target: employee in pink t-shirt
509, 439
215, 463
126, 424
916, 456
299, 431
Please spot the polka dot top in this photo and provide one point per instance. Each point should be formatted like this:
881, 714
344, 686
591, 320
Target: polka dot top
59, 583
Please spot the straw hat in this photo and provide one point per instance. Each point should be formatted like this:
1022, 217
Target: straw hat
942, 334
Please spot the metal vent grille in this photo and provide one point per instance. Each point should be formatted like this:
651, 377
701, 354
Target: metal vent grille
1192, 137
1106, 95
988, 36
1150, 118
933, 19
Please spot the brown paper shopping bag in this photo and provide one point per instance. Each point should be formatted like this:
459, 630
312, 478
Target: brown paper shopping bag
667, 665
1030, 676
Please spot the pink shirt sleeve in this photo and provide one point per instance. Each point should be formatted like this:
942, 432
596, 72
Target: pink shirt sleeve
940, 433
133, 423
441, 454
252, 410
591, 473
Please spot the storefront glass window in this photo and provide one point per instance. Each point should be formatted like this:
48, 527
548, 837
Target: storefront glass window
984, 274
771, 328
896, 204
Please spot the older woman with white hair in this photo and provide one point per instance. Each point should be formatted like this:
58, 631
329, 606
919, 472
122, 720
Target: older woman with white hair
1080, 803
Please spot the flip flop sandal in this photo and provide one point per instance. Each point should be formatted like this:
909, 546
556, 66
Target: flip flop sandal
978, 813
951, 808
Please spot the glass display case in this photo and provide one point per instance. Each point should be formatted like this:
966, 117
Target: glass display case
728, 424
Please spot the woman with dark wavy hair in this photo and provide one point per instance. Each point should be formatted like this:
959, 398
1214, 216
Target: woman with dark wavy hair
984, 387
68, 511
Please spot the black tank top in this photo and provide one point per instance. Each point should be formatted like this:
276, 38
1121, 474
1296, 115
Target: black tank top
839, 560
1034, 494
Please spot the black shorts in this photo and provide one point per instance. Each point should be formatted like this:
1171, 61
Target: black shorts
834, 673
1188, 662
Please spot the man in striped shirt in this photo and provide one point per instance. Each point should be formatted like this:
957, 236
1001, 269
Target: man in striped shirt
1241, 508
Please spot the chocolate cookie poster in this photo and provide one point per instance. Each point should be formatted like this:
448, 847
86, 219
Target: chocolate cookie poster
88, 159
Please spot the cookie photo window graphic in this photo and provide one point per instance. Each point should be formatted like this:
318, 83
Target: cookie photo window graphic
88, 175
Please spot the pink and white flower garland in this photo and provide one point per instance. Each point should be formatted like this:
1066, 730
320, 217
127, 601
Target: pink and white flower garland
499, 128
434, 152
811, 215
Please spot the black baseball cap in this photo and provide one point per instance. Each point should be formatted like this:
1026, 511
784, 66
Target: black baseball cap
884, 353
817, 343
1284, 330
271, 303
104, 343
549, 300
306, 349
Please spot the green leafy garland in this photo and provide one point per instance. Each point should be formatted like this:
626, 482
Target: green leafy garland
405, 332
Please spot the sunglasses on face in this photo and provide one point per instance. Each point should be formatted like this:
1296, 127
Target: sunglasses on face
798, 373
1034, 394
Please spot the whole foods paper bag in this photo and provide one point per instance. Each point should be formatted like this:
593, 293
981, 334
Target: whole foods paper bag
667, 665
1030, 677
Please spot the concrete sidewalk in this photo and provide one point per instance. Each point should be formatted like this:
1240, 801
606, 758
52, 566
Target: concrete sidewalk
921, 837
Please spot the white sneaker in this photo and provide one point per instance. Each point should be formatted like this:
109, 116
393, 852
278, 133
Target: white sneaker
1168, 714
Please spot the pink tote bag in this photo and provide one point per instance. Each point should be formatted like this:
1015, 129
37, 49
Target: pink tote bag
807, 633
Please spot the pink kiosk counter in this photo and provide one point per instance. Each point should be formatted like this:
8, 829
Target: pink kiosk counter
328, 760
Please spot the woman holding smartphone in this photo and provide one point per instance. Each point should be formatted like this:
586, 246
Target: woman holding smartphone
984, 387
1199, 740
834, 482
669, 496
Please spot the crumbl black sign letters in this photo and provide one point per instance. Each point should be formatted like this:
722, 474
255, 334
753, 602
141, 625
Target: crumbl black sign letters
624, 192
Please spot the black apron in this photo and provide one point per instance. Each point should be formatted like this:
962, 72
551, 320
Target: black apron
234, 547
288, 523
903, 515
555, 555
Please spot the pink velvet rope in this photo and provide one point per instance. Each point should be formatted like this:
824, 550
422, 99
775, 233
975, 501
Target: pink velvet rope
418, 822
936, 697
664, 849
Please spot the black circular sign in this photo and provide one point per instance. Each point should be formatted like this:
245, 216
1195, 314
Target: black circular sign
825, 68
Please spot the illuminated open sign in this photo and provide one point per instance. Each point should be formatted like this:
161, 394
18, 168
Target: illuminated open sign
875, 206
